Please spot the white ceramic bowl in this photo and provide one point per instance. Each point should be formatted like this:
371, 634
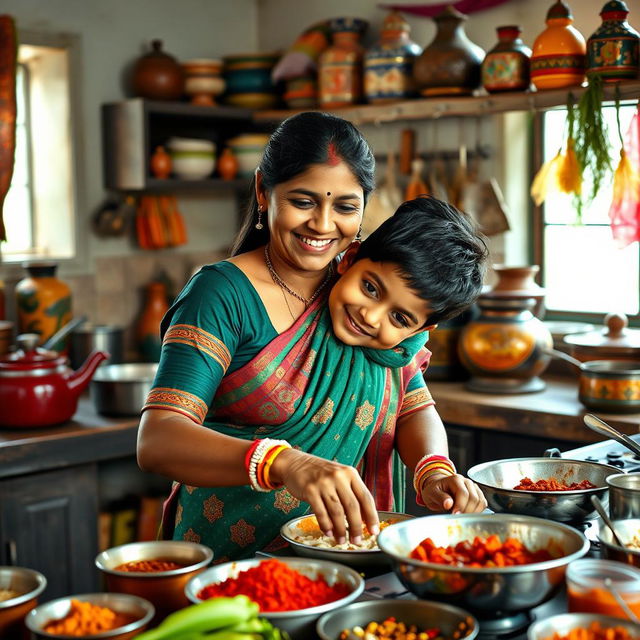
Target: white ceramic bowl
190, 144
248, 149
192, 165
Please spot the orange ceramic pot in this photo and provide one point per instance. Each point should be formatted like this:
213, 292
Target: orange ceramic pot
161, 163
43, 301
228, 165
559, 52
148, 327
29, 584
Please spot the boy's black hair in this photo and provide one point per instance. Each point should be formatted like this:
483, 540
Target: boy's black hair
438, 250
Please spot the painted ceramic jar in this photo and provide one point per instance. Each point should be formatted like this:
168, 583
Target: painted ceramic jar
340, 65
507, 66
612, 49
504, 347
444, 363
451, 64
148, 327
559, 52
157, 75
388, 66
518, 282
43, 302
248, 80
203, 80
301, 92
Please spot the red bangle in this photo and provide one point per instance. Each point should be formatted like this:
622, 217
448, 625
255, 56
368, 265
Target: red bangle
250, 450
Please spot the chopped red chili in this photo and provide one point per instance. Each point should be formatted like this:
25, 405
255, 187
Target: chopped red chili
551, 484
481, 552
150, 566
275, 586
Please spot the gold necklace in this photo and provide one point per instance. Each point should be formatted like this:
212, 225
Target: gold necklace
283, 285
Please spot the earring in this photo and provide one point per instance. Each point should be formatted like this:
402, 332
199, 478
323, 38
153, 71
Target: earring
358, 237
259, 224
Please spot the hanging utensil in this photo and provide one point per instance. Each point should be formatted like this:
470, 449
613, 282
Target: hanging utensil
62, 333
595, 501
600, 426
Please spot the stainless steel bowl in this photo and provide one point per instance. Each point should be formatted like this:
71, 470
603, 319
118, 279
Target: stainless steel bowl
624, 495
425, 615
137, 608
352, 558
497, 479
299, 624
563, 623
627, 530
29, 584
122, 389
485, 592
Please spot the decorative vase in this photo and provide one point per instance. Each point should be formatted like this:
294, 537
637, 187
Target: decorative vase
248, 80
148, 326
519, 283
445, 363
388, 66
451, 64
559, 52
228, 164
43, 302
340, 65
160, 163
157, 75
203, 80
504, 347
612, 49
507, 66
301, 92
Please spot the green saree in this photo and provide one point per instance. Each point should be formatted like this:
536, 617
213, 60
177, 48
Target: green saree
324, 397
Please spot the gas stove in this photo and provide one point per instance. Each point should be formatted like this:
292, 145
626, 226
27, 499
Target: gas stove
607, 452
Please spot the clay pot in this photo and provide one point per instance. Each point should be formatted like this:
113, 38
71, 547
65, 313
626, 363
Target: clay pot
518, 283
160, 163
148, 326
157, 75
228, 165
451, 64
507, 66
203, 80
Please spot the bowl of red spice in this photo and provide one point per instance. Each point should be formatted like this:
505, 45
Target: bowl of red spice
553, 488
586, 626
19, 591
292, 593
483, 562
112, 616
157, 570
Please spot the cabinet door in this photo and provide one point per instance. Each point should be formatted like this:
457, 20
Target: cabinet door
48, 523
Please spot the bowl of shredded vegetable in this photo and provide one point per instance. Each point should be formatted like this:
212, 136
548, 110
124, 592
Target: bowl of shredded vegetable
112, 616
554, 488
292, 593
488, 563
306, 539
19, 592
397, 619
628, 532
585, 626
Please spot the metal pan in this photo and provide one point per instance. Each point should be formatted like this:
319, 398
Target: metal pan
122, 389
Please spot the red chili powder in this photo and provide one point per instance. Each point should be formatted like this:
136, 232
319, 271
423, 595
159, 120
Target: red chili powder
277, 587
552, 484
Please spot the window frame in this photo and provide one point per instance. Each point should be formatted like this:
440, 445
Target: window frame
537, 230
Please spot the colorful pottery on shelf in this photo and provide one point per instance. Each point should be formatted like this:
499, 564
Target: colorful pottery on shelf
148, 326
228, 164
192, 158
518, 282
301, 92
340, 65
559, 52
248, 80
612, 49
388, 66
444, 363
451, 64
248, 149
43, 302
160, 163
507, 66
203, 80
157, 75
504, 347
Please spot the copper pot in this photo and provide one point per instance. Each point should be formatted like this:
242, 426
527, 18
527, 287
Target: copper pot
157, 75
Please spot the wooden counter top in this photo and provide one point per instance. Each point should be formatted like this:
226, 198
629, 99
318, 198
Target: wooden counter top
553, 413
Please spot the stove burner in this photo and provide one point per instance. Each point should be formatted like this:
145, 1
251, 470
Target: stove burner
504, 627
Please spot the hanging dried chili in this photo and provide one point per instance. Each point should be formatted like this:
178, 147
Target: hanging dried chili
277, 587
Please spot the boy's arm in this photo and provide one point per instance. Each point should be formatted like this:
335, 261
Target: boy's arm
420, 433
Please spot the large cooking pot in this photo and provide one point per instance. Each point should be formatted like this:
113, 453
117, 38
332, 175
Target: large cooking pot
608, 385
122, 389
37, 389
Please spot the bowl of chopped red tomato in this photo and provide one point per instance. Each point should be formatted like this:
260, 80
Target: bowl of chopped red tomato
292, 593
554, 488
489, 564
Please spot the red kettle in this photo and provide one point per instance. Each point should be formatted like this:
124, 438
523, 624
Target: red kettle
37, 388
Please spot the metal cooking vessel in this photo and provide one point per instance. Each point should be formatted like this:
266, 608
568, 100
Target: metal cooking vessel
626, 530
122, 389
624, 495
498, 477
90, 337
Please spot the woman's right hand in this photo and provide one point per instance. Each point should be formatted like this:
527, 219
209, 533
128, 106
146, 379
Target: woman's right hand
335, 491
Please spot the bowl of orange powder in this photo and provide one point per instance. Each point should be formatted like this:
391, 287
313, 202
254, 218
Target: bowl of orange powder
112, 616
156, 570
586, 626
292, 592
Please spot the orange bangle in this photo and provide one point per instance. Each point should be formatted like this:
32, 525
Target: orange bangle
269, 458
433, 466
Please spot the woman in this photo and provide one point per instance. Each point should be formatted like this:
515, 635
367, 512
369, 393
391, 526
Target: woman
238, 362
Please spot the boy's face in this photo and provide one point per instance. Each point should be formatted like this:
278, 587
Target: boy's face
372, 306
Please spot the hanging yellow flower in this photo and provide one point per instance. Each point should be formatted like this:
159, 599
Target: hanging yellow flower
545, 179
626, 180
569, 175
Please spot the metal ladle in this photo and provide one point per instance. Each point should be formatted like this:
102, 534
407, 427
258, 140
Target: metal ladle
595, 501
600, 426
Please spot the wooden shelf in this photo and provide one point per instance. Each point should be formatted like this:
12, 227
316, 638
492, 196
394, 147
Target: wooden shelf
432, 108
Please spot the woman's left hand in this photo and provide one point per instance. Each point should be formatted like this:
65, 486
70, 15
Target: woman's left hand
456, 494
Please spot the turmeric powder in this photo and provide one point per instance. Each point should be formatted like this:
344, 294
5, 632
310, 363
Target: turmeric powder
86, 619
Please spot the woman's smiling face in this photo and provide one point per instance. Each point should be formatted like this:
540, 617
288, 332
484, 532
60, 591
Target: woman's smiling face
314, 216
371, 305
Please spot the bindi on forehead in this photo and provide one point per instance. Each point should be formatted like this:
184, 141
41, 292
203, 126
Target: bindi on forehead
332, 155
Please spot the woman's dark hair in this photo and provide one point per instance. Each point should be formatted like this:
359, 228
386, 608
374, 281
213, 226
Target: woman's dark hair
301, 141
439, 251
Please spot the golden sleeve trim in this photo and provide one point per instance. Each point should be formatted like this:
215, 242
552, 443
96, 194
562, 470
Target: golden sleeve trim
177, 400
199, 339
417, 399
